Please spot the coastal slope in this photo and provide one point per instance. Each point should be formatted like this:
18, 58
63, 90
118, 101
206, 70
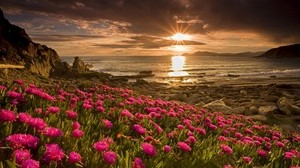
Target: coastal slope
288, 51
17, 48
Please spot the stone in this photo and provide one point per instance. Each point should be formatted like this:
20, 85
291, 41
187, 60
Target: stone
218, 106
287, 128
267, 110
258, 118
285, 105
238, 110
271, 98
243, 92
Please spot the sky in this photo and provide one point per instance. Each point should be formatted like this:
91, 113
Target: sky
146, 27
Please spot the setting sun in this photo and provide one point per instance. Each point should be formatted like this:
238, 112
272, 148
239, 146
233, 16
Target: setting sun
180, 37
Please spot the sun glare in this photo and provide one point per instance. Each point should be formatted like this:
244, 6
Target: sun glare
177, 68
180, 37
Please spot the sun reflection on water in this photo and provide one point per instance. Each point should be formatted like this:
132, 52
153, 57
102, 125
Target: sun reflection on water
177, 68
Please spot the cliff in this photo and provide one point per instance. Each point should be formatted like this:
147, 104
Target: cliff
17, 48
289, 51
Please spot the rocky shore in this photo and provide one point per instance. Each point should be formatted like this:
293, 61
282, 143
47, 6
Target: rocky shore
272, 101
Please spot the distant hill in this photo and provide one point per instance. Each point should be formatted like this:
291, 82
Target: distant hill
289, 51
208, 53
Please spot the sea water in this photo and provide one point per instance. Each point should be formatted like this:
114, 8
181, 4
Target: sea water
193, 68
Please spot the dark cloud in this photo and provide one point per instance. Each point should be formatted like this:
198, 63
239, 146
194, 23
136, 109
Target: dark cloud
276, 19
149, 42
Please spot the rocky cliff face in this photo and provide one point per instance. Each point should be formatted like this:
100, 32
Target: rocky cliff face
289, 51
16, 47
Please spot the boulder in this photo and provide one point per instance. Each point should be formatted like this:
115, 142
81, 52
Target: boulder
267, 110
243, 92
238, 110
218, 106
251, 111
286, 107
258, 118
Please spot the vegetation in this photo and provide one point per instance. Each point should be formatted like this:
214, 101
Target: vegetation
102, 126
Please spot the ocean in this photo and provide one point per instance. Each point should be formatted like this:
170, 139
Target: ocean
193, 69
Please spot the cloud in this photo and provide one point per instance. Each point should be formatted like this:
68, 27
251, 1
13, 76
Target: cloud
148, 42
64, 38
277, 20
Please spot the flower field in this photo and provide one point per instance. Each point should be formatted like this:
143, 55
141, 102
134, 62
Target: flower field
102, 126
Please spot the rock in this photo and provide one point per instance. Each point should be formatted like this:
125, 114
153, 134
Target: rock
287, 94
243, 92
251, 111
217, 105
16, 47
200, 104
287, 128
238, 110
267, 110
79, 67
258, 118
285, 105
271, 98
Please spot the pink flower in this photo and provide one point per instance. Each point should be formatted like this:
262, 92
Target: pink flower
191, 139
247, 159
158, 128
87, 106
139, 129
101, 146
110, 157
222, 138
138, 163
149, 149
53, 109
167, 148
37, 123
18, 141
71, 114
30, 163
181, 127
126, 113
248, 131
262, 153
238, 135
226, 149
100, 109
52, 132
280, 144
38, 110
53, 153
7, 116
76, 125
74, 157
201, 131
76, 133
19, 81
183, 146
227, 166
14, 95
21, 155
2, 87
108, 124
288, 155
